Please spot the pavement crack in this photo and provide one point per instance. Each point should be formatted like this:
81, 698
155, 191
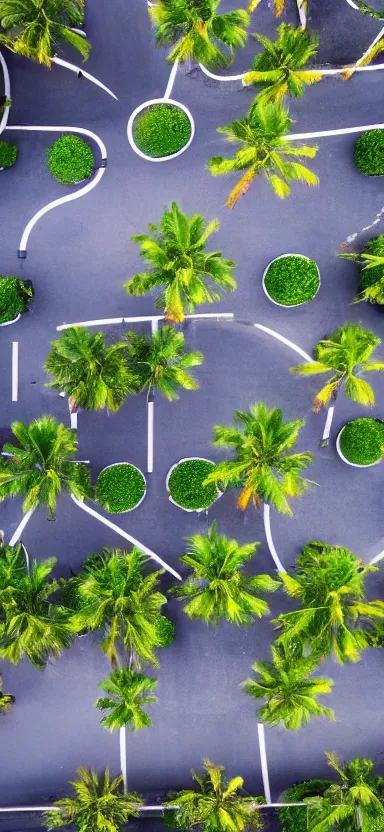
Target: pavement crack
351, 237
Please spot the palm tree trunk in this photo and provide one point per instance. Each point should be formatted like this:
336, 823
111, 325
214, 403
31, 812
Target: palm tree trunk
268, 534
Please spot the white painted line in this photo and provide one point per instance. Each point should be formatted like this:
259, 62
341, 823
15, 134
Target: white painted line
150, 436
7, 93
171, 80
221, 77
268, 534
77, 69
294, 137
154, 325
17, 534
377, 558
144, 106
328, 423
263, 761
15, 370
127, 536
123, 756
367, 51
319, 69
74, 420
100, 322
157, 807
26, 555
217, 315
154, 319
284, 341
301, 4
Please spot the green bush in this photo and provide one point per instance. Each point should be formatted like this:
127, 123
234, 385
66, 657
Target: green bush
295, 819
15, 296
292, 280
70, 160
8, 154
186, 484
161, 130
369, 153
120, 487
375, 273
165, 631
362, 441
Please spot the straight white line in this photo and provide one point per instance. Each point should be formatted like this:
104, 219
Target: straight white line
284, 341
141, 318
74, 420
7, 92
294, 137
334, 71
377, 558
17, 534
77, 69
263, 760
171, 80
154, 325
268, 534
157, 807
15, 370
328, 423
123, 755
150, 436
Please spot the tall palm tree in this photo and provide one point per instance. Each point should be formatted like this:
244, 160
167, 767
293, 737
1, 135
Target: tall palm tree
160, 362
42, 465
98, 805
354, 804
181, 268
334, 616
261, 465
291, 692
128, 693
91, 373
372, 272
112, 593
198, 31
6, 700
219, 588
216, 803
264, 150
34, 27
278, 70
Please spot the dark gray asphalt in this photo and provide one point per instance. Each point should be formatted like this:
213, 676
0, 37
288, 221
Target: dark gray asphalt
78, 257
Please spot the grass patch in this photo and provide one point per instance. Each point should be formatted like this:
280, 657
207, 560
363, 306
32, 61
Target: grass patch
120, 487
161, 130
295, 819
362, 441
369, 153
15, 296
292, 280
70, 160
8, 154
186, 484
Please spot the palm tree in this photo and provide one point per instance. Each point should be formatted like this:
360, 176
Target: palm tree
112, 593
334, 616
262, 467
91, 373
278, 70
278, 6
353, 805
34, 28
372, 272
197, 30
42, 466
216, 803
346, 354
6, 700
264, 150
128, 692
98, 805
160, 362
180, 265
219, 588
290, 691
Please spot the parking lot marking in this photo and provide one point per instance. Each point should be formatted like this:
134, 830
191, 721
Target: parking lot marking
15, 370
263, 761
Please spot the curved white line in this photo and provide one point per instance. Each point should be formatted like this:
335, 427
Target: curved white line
336, 71
221, 77
61, 200
148, 104
7, 92
294, 137
74, 68
17, 534
284, 340
268, 534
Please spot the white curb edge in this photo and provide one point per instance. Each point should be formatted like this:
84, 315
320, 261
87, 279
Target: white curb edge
127, 510
176, 465
344, 458
149, 103
292, 305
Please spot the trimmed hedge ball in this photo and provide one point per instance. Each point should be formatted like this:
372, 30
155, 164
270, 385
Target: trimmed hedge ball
8, 154
161, 130
362, 441
186, 484
15, 296
292, 280
120, 487
369, 153
70, 160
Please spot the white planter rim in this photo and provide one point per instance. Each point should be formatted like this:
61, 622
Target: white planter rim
176, 465
126, 510
144, 106
291, 305
344, 458
13, 321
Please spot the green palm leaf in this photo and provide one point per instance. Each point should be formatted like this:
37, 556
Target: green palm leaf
34, 29
159, 362
129, 691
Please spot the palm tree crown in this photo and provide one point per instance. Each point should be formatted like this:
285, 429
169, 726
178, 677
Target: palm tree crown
372, 272
261, 465
91, 373
34, 27
219, 588
329, 585
180, 266
355, 804
98, 805
216, 803
197, 30
42, 465
346, 354
111, 592
160, 362
264, 149
128, 693
278, 69
290, 691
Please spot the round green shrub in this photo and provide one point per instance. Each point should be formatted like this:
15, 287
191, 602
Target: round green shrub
369, 153
70, 160
292, 279
161, 130
120, 487
362, 441
186, 484
295, 819
8, 154
15, 296
375, 273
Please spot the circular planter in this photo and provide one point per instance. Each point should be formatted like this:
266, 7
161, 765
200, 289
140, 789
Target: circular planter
123, 511
68, 155
176, 465
368, 150
13, 321
291, 305
344, 458
144, 106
